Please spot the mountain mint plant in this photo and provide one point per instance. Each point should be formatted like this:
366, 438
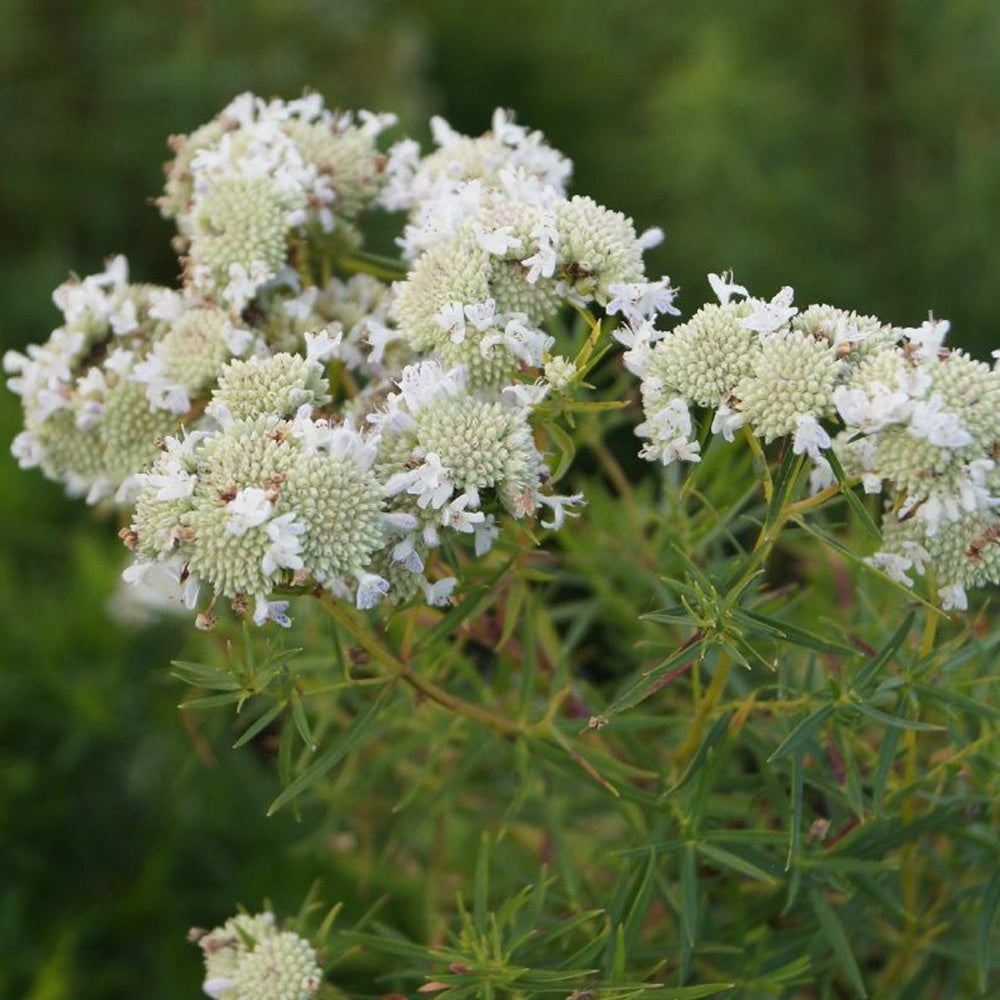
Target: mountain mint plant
501, 695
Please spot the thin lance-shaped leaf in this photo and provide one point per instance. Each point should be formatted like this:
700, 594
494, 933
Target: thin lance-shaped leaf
715, 733
471, 604
689, 895
991, 899
884, 655
481, 883
794, 633
803, 731
691, 992
895, 721
203, 676
652, 680
795, 833
852, 557
566, 448
833, 931
344, 742
640, 904
853, 500
784, 483
733, 861
260, 724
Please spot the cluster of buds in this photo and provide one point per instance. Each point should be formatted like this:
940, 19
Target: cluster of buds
911, 419
250, 958
283, 423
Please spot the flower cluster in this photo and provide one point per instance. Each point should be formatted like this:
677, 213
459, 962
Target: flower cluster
250, 958
497, 248
284, 423
911, 419
266, 181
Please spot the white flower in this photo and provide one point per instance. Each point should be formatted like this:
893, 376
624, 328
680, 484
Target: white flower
953, 597
321, 346
451, 318
430, 482
727, 421
542, 263
481, 315
275, 611
174, 483
422, 383
641, 300
929, 420
249, 508
499, 241
438, 594
894, 565
124, 321
722, 285
560, 508
405, 552
457, 517
809, 436
379, 337
371, 589
523, 395
237, 340
650, 238
928, 337
485, 534
669, 431
285, 549
767, 317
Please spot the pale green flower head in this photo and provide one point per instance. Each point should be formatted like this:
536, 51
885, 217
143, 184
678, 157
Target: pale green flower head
281, 967
276, 385
793, 374
597, 247
704, 358
197, 346
239, 227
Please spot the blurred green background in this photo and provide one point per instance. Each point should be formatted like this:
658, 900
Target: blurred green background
850, 148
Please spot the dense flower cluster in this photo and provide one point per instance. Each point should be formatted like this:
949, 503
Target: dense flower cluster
911, 419
250, 958
282, 422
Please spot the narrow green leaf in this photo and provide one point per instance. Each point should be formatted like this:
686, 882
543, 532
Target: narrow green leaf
566, 448
691, 992
733, 861
214, 700
895, 721
344, 742
853, 500
650, 681
803, 731
856, 560
481, 883
833, 931
260, 724
884, 655
715, 733
886, 755
796, 635
203, 676
640, 904
991, 899
689, 895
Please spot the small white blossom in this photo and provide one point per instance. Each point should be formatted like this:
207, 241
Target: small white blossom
248, 509
285, 549
766, 317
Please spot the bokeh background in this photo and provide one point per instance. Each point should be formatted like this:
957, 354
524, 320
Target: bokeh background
850, 148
